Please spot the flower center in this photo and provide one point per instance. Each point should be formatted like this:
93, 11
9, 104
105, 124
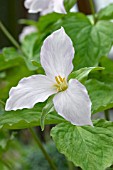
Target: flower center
61, 83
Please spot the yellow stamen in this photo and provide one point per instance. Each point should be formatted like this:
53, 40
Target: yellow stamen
61, 83
57, 80
61, 79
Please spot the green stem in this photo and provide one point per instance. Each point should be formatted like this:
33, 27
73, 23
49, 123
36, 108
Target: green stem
70, 165
52, 165
9, 36
6, 164
106, 114
2, 102
92, 9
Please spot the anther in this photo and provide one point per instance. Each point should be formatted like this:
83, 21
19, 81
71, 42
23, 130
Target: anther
60, 79
57, 80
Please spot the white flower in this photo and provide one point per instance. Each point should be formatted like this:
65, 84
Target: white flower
45, 6
26, 31
71, 99
102, 3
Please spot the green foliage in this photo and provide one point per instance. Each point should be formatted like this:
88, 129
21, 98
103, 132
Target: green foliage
88, 147
6, 63
31, 48
90, 41
36, 160
106, 13
12, 76
100, 93
6, 141
10, 53
48, 108
69, 4
27, 118
83, 73
107, 64
47, 21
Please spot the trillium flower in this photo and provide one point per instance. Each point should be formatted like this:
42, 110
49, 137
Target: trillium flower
71, 99
45, 6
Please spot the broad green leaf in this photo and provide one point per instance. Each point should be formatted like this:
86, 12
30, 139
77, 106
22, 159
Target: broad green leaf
83, 72
69, 4
90, 41
31, 48
7, 64
10, 58
101, 93
10, 53
26, 118
89, 147
13, 76
106, 13
48, 20
107, 63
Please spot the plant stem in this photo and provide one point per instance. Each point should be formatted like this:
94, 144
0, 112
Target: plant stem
51, 163
70, 165
92, 9
6, 164
106, 114
9, 36
2, 102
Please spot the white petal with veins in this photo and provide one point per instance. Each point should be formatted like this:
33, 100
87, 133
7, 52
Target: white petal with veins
38, 6
27, 3
45, 6
57, 53
59, 6
74, 104
29, 91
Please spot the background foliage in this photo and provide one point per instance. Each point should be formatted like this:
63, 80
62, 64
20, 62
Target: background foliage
89, 148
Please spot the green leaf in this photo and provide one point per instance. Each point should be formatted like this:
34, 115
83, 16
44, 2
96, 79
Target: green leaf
89, 147
31, 47
101, 93
106, 13
69, 4
10, 53
5, 140
48, 108
7, 64
10, 58
107, 63
13, 76
48, 20
27, 22
26, 118
90, 41
83, 73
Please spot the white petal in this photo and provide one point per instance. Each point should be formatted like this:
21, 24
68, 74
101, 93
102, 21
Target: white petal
38, 5
28, 3
47, 11
59, 6
29, 91
74, 104
26, 31
57, 54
